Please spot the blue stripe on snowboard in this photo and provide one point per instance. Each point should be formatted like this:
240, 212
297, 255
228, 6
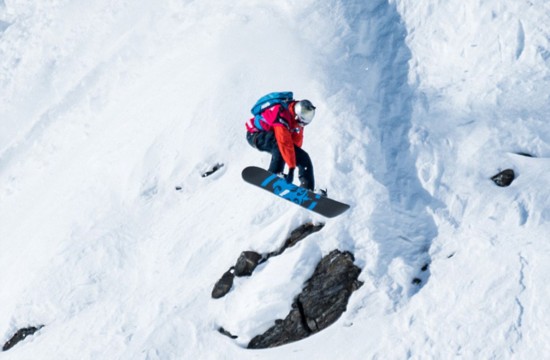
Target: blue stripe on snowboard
268, 180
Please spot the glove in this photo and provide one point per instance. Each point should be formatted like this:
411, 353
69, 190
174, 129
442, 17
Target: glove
290, 176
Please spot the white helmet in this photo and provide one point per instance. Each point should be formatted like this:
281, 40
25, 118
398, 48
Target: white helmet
305, 111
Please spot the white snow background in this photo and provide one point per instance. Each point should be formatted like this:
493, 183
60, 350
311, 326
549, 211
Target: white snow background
107, 106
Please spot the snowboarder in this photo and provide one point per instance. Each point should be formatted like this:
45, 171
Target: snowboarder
282, 134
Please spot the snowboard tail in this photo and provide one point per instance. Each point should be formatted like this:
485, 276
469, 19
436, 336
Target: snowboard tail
303, 197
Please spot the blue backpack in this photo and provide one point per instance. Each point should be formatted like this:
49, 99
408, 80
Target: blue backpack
267, 101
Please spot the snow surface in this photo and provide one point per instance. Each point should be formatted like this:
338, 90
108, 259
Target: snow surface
107, 106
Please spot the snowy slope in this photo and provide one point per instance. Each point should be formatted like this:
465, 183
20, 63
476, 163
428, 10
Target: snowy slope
106, 107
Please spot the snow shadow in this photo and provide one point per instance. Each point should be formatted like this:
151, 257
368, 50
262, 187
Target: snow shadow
400, 224
3, 25
404, 227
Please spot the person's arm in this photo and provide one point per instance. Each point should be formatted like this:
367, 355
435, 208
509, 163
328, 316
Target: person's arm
298, 137
286, 145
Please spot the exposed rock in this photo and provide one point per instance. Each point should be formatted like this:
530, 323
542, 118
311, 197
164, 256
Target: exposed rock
301, 233
425, 267
215, 168
504, 178
247, 262
298, 234
419, 280
292, 328
327, 292
222, 331
20, 335
320, 304
524, 154
223, 285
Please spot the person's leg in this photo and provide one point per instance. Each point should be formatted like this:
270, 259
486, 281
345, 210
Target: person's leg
305, 169
251, 139
265, 141
277, 164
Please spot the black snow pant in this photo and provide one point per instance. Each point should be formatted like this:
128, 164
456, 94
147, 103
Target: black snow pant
265, 141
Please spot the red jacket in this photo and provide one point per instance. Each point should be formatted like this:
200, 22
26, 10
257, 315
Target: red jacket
287, 130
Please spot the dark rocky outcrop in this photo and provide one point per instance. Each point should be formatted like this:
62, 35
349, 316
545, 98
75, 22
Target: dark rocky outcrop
215, 168
223, 285
222, 331
321, 302
204, 174
249, 260
419, 280
504, 178
526, 154
20, 335
298, 234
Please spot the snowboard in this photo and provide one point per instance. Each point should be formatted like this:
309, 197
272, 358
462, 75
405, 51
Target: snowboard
305, 198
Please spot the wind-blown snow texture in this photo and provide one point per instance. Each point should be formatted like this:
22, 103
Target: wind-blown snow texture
106, 107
